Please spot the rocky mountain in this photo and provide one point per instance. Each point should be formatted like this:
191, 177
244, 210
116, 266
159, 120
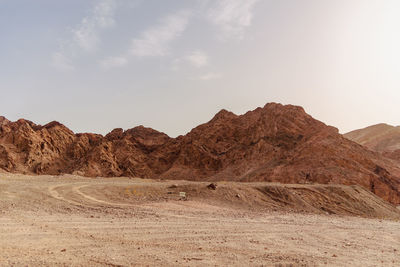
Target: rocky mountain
275, 143
382, 138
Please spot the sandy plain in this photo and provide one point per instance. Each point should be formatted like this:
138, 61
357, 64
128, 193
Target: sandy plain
76, 221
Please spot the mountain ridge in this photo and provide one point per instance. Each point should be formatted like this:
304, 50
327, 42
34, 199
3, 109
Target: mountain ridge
382, 138
275, 143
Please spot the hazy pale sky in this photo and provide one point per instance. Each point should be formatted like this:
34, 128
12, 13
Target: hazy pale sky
172, 64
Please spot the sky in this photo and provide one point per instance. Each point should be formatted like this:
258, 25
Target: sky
96, 65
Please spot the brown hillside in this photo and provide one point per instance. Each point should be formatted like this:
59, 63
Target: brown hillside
382, 138
276, 143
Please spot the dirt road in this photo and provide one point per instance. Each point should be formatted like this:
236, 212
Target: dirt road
74, 221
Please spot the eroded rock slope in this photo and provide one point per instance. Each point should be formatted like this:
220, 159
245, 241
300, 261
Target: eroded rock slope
275, 143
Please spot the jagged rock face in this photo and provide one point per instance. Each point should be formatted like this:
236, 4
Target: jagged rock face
27, 147
276, 143
3, 120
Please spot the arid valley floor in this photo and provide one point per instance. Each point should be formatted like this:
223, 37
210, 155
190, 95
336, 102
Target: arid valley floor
76, 221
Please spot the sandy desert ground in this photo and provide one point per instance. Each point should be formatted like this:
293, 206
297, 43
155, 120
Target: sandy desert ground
75, 221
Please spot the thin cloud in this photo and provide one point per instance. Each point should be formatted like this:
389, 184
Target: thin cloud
61, 62
155, 41
197, 59
210, 76
232, 16
113, 62
86, 35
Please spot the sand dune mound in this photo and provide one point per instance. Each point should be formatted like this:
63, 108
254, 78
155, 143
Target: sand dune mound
249, 197
318, 199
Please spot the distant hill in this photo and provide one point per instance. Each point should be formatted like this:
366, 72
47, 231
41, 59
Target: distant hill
275, 143
382, 138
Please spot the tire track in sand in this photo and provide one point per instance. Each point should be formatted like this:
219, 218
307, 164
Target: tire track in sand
144, 207
76, 189
55, 194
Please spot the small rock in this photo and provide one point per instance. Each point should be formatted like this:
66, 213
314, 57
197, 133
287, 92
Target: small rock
334, 255
173, 186
63, 250
212, 186
237, 195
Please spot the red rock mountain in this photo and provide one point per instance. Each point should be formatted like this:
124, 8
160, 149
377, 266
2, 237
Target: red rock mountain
275, 143
382, 138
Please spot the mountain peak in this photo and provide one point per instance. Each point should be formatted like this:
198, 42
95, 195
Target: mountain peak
3, 120
223, 114
54, 124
